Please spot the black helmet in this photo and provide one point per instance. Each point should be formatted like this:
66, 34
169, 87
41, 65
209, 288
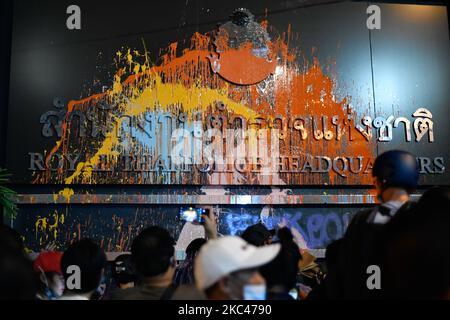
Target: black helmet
122, 269
397, 168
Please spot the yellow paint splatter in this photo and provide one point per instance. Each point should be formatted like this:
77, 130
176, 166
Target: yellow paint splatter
66, 193
160, 96
117, 85
46, 230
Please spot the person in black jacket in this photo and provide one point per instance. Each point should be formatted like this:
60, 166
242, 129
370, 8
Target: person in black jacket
396, 175
416, 250
281, 272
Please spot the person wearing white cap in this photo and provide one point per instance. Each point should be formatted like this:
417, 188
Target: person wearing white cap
226, 269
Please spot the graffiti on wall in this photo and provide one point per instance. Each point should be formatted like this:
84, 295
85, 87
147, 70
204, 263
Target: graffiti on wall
115, 228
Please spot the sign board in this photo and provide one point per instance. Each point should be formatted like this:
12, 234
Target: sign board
255, 96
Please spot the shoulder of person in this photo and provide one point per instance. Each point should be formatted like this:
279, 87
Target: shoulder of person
364, 213
360, 217
405, 214
72, 297
188, 292
124, 294
356, 228
406, 207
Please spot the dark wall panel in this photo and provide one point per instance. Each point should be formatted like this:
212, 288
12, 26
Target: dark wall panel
115, 227
411, 63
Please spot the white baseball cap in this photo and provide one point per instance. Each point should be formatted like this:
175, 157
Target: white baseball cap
219, 258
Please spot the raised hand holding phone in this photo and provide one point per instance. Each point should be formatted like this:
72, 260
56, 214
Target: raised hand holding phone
193, 215
210, 223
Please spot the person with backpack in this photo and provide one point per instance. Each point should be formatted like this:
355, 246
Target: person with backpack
396, 174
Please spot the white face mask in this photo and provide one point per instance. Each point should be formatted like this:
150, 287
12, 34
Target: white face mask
255, 292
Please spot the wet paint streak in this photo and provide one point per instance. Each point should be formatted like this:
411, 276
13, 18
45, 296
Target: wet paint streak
115, 229
187, 83
66, 193
47, 229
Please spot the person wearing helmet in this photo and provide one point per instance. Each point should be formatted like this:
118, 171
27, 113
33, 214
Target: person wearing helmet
395, 174
123, 271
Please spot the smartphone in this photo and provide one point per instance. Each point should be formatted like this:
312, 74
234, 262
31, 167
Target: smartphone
294, 293
192, 214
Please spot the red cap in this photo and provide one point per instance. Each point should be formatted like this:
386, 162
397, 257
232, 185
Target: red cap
49, 261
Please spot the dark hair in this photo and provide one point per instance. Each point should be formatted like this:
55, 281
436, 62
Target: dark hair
91, 260
194, 247
185, 272
416, 249
284, 268
332, 253
122, 269
256, 234
10, 238
152, 251
17, 280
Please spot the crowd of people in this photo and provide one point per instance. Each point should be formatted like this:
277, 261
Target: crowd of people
407, 242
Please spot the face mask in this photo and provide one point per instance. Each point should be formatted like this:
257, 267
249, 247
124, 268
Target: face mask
255, 292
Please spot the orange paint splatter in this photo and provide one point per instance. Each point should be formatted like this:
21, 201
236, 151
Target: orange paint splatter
188, 83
